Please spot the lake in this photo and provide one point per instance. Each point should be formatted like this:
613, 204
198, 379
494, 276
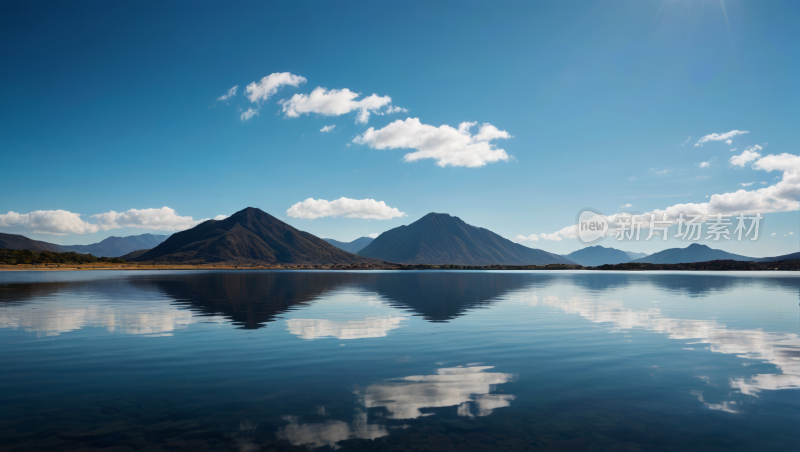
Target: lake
430, 360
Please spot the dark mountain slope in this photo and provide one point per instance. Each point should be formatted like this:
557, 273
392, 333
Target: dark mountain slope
592, 256
248, 237
692, 253
20, 242
118, 246
439, 238
351, 247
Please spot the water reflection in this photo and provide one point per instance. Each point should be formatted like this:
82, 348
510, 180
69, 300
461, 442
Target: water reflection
465, 387
344, 329
64, 308
779, 349
329, 433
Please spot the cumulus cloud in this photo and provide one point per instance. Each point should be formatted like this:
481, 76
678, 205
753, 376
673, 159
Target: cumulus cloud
746, 184
336, 102
231, 92
720, 136
344, 207
748, 155
374, 235
327, 129
445, 144
728, 141
781, 197
62, 222
56, 222
249, 114
269, 85
625, 206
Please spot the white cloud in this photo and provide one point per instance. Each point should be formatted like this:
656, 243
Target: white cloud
56, 222
774, 233
393, 109
249, 114
687, 140
781, 197
626, 206
163, 219
746, 184
720, 136
748, 155
734, 149
220, 217
664, 171
728, 141
708, 163
374, 235
327, 128
344, 207
269, 85
446, 145
231, 92
336, 102
62, 222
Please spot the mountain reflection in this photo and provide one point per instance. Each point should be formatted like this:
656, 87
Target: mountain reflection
779, 349
465, 387
248, 300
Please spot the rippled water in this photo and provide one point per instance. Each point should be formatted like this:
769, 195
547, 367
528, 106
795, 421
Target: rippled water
271, 360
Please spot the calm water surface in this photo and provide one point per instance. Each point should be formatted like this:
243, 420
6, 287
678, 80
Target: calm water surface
249, 361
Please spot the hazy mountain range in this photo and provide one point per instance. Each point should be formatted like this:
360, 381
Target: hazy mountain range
592, 256
110, 247
351, 247
253, 237
692, 253
438, 238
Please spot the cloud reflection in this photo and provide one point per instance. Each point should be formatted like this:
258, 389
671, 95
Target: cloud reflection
779, 349
344, 329
329, 433
465, 387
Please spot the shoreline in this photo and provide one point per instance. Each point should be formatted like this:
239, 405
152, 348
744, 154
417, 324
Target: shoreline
720, 265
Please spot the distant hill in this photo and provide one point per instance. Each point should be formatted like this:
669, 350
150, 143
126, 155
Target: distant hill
592, 256
636, 255
351, 247
692, 253
248, 237
438, 238
20, 242
118, 246
792, 256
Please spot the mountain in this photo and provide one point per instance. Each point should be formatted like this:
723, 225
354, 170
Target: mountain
692, 253
792, 256
20, 242
438, 238
118, 246
636, 255
248, 237
351, 247
592, 256
133, 254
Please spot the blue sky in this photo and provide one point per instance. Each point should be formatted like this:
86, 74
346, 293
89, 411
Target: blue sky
111, 107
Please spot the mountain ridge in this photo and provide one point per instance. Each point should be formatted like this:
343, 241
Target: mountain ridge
439, 238
248, 237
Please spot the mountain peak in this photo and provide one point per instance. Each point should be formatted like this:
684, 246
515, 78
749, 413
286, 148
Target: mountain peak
440, 238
